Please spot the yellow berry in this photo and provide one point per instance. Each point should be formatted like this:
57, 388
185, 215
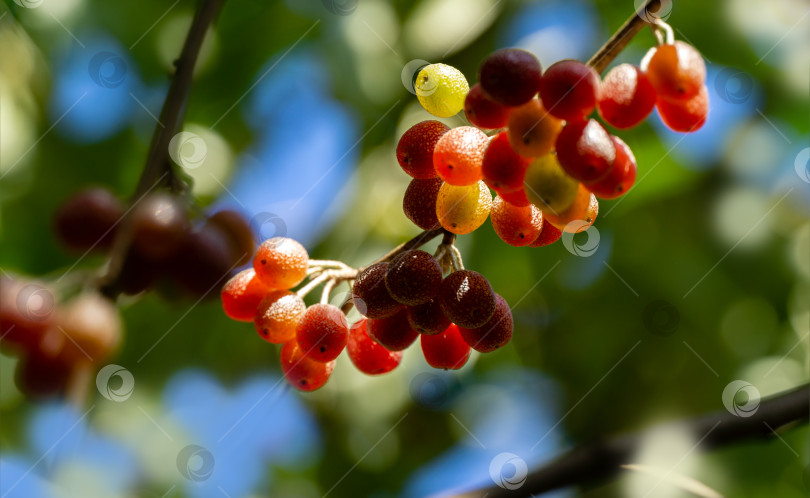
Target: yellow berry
441, 89
548, 186
462, 209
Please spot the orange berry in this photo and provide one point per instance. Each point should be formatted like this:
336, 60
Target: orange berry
458, 155
277, 316
281, 263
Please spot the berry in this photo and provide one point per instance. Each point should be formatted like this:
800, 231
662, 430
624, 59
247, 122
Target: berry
239, 233
138, 273
495, 333
93, 326
622, 173
627, 96
463, 209
159, 226
40, 377
413, 277
204, 259
419, 202
483, 111
441, 89
685, 116
394, 333
503, 169
370, 294
242, 294
277, 315
585, 151
517, 226
87, 220
676, 71
548, 235
415, 148
516, 198
510, 77
367, 355
428, 318
322, 331
467, 298
584, 209
458, 155
446, 350
532, 130
301, 372
26, 312
281, 263
549, 187
570, 90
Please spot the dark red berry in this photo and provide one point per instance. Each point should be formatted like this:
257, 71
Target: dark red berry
415, 148
497, 332
428, 318
394, 333
88, 219
413, 277
467, 298
569, 90
419, 202
483, 111
370, 294
510, 76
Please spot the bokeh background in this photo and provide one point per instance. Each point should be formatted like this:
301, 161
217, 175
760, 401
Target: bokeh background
700, 275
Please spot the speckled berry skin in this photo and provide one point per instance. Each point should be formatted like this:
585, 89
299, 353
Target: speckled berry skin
415, 148
428, 318
510, 76
517, 226
281, 263
458, 155
367, 355
441, 89
463, 209
419, 202
467, 298
304, 374
413, 277
494, 334
322, 332
393, 333
277, 316
370, 294
242, 294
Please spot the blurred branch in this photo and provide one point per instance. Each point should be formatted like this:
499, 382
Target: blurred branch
595, 462
159, 169
635, 23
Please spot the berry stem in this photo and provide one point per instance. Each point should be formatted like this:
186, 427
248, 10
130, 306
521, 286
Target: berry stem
418, 241
631, 27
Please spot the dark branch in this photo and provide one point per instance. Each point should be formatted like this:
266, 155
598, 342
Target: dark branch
601, 460
635, 23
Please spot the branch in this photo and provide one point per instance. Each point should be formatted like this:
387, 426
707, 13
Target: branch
635, 23
600, 460
159, 169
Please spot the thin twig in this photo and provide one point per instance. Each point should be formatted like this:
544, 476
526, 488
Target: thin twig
598, 461
635, 23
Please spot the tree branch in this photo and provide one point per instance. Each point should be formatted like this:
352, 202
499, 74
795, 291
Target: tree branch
159, 169
600, 460
635, 23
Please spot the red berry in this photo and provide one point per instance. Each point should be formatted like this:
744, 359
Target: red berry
585, 151
495, 333
394, 333
570, 90
676, 71
622, 173
277, 316
419, 202
415, 148
203, 260
510, 77
548, 235
483, 111
502, 167
242, 294
26, 312
88, 219
322, 331
516, 198
40, 377
413, 277
367, 355
428, 318
303, 373
467, 299
370, 294
447, 350
685, 116
627, 96
281, 263
517, 226
458, 155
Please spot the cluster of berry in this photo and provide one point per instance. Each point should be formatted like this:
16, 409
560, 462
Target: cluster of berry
401, 300
164, 241
53, 340
546, 160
